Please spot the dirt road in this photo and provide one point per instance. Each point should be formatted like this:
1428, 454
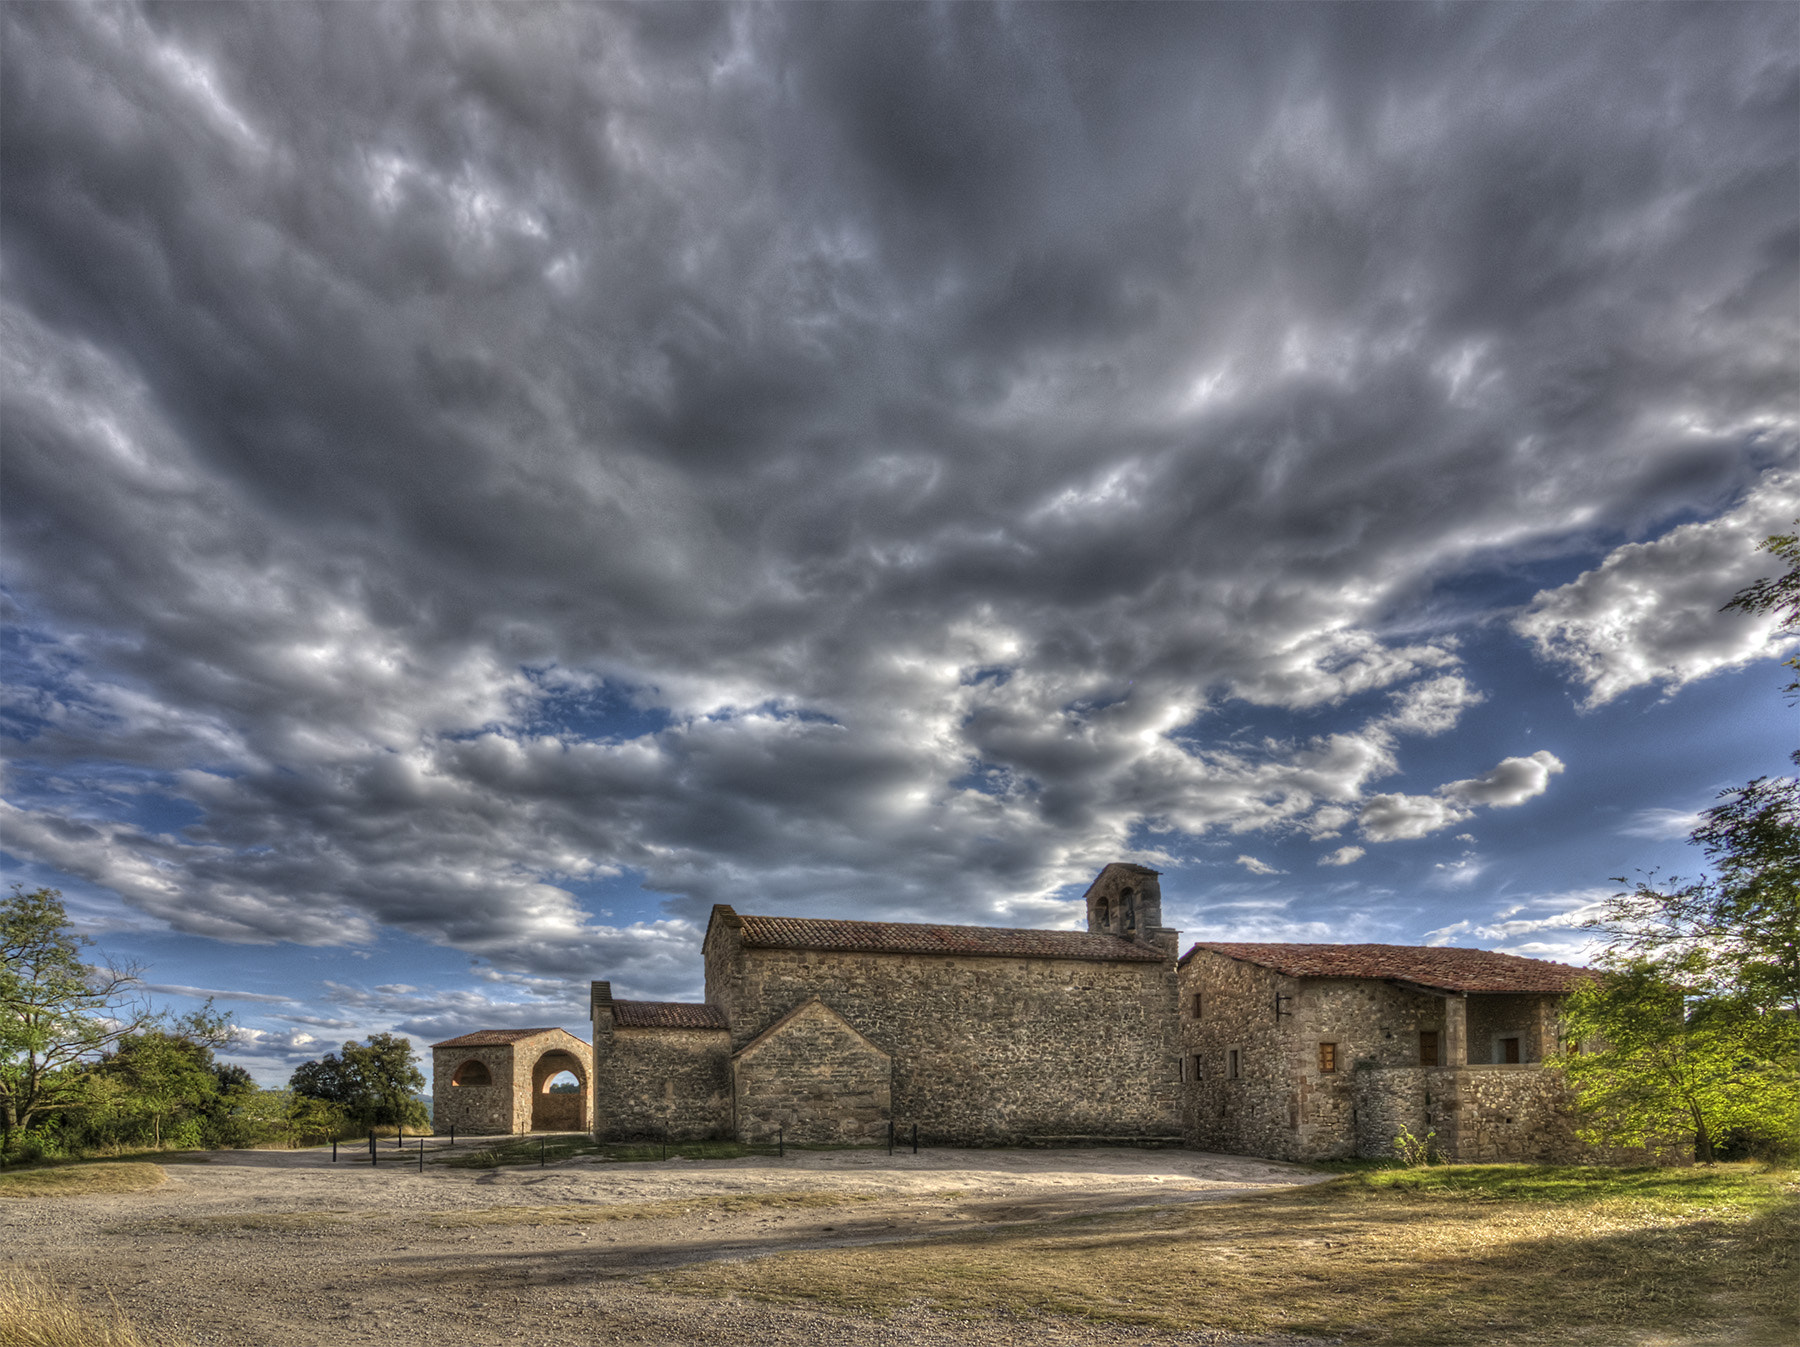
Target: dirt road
286, 1249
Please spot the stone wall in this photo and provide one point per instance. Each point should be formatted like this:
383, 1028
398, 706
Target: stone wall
1530, 1019
648, 1080
1285, 1105
813, 1078
986, 1050
1255, 1113
476, 1110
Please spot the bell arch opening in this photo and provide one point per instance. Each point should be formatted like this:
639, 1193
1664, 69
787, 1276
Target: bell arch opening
472, 1073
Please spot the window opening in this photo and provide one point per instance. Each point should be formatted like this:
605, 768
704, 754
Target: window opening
1231, 1064
1328, 1057
472, 1073
1509, 1051
1428, 1048
1199, 1074
1197, 1005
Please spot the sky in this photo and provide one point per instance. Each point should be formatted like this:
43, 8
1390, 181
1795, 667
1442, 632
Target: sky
483, 484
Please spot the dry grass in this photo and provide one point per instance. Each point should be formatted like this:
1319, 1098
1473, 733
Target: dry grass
587, 1213
34, 1314
1499, 1255
78, 1180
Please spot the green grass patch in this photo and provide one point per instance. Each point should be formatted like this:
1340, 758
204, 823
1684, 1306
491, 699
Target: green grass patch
78, 1179
1423, 1258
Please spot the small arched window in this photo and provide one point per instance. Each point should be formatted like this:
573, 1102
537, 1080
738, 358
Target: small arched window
1103, 914
472, 1073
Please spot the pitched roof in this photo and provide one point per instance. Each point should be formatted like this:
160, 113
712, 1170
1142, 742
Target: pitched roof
493, 1038
901, 937
667, 1015
1453, 970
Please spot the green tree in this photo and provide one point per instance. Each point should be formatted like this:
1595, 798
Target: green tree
1673, 1059
373, 1082
170, 1073
57, 1012
1744, 917
1695, 1017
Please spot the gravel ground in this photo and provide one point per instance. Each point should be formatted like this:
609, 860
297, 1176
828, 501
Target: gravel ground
249, 1248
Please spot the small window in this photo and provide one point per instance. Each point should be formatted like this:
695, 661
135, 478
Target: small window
1428, 1048
1196, 1006
1328, 1057
1199, 1073
1231, 1064
1509, 1051
471, 1073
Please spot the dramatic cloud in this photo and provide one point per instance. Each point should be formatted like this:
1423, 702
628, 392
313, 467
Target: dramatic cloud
1650, 613
467, 466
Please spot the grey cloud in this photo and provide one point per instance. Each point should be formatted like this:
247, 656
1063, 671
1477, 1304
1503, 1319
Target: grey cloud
936, 413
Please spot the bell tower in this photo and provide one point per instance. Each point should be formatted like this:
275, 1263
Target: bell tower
1126, 900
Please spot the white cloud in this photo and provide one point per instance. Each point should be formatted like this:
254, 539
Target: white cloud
1343, 856
1513, 782
1257, 867
1662, 825
1396, 817
1651, 612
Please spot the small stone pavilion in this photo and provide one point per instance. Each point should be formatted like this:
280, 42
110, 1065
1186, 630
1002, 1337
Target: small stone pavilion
498, 1080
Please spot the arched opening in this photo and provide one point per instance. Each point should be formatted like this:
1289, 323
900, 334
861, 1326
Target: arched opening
1128, 911
1102, 915
472, 1073
558, 1109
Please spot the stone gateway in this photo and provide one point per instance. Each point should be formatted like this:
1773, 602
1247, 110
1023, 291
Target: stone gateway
830, 1031
503, 1080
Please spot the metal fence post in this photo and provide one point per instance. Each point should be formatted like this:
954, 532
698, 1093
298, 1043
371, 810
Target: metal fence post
334, 1148
915, 1138
374, 1155
421, 1155
541, 1145
452, 1134
890, 1136
781, 1141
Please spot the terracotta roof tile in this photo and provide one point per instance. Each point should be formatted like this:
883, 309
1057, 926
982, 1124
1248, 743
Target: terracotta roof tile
897, 937
492, 1038
667, 1015
1453, 970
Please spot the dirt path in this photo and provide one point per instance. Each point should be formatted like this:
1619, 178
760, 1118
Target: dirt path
289, 1250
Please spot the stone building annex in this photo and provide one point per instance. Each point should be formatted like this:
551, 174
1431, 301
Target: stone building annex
827, 1031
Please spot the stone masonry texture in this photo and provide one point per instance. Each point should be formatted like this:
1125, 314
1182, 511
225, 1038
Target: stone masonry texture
811, 1077
655, 1081
984, 1049
520, 1065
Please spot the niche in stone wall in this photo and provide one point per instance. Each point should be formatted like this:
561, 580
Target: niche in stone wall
472, 1073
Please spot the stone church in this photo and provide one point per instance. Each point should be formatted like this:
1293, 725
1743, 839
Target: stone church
827, 1031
